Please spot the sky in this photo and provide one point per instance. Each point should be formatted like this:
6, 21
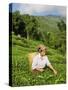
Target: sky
38, 10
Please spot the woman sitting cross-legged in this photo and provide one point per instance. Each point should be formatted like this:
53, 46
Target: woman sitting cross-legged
41, 60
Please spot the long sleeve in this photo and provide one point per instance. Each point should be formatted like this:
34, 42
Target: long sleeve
34, 63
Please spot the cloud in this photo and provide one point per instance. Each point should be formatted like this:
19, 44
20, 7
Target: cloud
62, 11
30, 9
41, 9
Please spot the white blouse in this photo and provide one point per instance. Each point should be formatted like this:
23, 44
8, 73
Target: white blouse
40, 62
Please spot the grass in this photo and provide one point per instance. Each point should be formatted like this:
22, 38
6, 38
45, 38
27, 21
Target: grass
21, 76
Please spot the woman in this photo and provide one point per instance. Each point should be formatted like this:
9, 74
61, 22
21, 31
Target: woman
41, 60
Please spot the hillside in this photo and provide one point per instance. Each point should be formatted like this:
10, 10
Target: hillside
26, 32
21, 75
49, 29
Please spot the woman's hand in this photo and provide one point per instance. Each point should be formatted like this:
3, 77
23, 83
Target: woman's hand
55, 72
40, 69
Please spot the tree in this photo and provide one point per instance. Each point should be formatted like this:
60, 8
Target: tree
36, 31
61, 25
28, 25
15, 22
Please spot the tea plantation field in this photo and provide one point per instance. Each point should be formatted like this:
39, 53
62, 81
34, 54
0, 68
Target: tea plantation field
21, 75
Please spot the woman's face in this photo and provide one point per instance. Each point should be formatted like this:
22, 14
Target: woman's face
43, 52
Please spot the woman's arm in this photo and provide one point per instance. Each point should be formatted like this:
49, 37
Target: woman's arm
40, 69
51, 67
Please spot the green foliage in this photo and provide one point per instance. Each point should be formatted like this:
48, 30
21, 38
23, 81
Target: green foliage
21, 75
61, 25
51, 30
30, 31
